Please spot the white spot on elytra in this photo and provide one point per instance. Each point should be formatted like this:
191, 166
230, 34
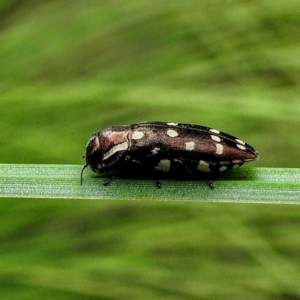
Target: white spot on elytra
163, 165
214, 131
241, 147
248, 159
137, 162
189, 146
172, 133
215, 138
223, 168
225, 162
240, 141
219, 149
237, 161
113, 150
203, 166
137, 135
172, 124
155, 150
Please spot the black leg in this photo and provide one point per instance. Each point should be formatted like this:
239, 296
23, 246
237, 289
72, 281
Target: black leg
209, 183
158, 183
108, 180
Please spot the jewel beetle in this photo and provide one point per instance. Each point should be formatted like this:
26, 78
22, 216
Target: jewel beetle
156, 148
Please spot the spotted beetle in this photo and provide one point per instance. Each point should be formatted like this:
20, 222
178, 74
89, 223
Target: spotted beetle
155, 148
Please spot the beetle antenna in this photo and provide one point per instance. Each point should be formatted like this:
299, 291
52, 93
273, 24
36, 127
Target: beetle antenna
81, 174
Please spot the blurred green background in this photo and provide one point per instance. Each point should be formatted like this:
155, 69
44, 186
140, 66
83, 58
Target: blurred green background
70, 68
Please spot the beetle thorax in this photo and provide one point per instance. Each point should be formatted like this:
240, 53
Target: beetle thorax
106, 148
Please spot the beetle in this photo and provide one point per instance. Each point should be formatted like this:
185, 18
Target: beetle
155, 148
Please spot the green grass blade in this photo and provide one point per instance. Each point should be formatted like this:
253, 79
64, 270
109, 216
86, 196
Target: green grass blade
253, 185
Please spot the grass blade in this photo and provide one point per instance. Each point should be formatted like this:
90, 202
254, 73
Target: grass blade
253, 185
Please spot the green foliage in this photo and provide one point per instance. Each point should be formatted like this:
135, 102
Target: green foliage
70, 68
83, 67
